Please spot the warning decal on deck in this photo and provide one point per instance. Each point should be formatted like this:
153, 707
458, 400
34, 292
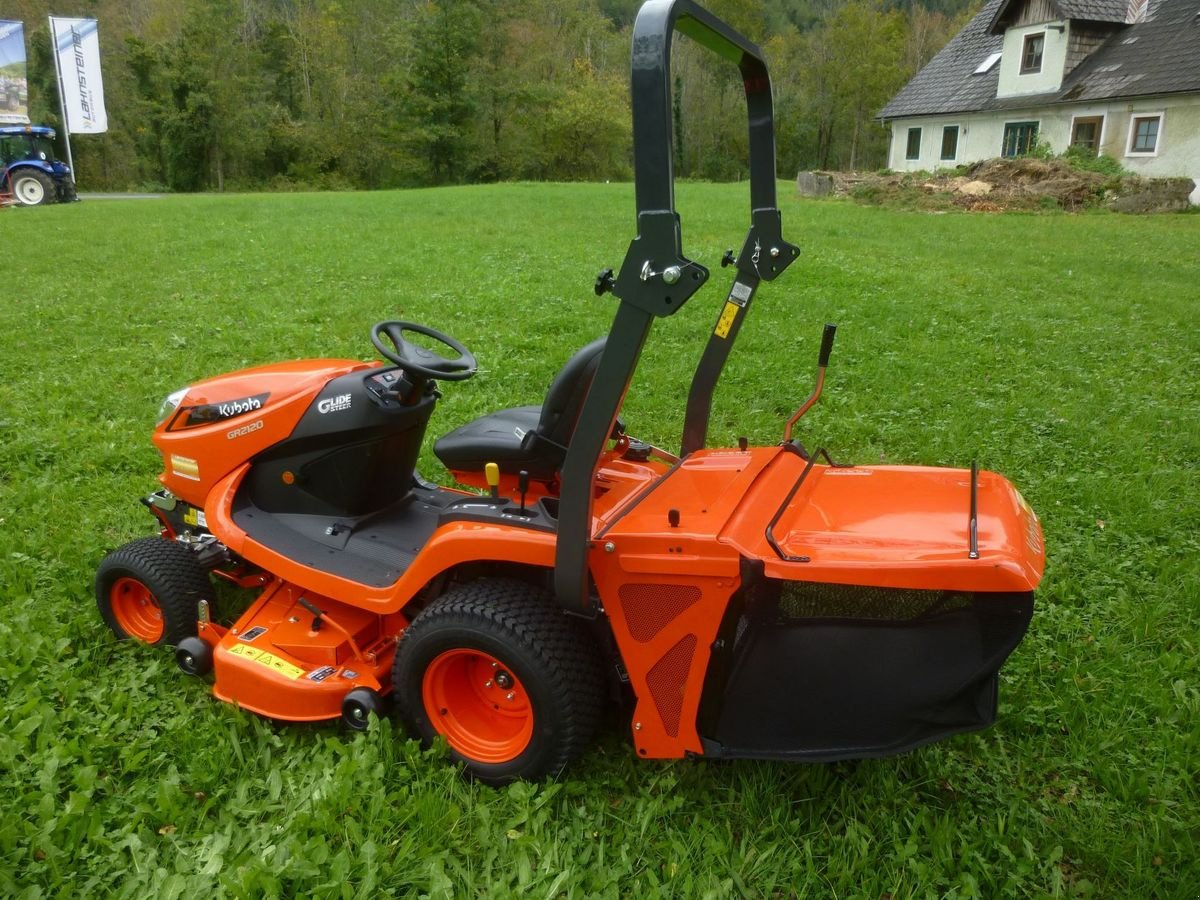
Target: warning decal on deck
270, 660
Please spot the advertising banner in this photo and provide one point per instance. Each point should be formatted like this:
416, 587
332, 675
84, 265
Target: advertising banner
14, 88
77, 57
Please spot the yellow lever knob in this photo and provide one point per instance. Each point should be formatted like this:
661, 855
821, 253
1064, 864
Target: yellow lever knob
492, 473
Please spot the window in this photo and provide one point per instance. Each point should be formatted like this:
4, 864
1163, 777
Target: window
913, 150
1019, 138
1031, 53
23, 146
1085, 132
949, 142
986, 65
1143, 135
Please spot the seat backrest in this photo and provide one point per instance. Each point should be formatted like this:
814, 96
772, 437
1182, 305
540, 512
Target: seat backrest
564, 399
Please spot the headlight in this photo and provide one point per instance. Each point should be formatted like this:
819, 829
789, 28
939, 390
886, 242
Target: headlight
170, 405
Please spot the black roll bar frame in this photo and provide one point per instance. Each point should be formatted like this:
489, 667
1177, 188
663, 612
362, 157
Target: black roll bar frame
656, 279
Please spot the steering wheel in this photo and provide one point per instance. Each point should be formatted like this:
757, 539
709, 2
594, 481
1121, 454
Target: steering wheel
416, 359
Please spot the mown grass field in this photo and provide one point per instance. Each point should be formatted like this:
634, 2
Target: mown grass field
1062, 351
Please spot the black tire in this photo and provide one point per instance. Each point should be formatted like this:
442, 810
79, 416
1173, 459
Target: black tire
552, 658
357, 707
169, 572
194, 656
32, 188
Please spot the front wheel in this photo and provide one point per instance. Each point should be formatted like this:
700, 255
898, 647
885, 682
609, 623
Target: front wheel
497, 670
150, 590
31, 188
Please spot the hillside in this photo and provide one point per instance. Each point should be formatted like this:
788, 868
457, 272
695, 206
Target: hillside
285, 94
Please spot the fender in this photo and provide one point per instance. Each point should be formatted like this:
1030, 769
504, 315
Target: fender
451, 545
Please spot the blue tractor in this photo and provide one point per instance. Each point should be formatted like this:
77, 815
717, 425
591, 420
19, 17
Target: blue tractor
28, 168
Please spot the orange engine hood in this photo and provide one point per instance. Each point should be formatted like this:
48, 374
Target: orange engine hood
281, 381
265, 403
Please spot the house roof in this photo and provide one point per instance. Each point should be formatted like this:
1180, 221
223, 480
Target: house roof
1120, 12
1158, 55
948, 82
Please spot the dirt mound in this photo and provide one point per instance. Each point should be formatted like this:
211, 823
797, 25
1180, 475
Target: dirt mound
996, 185
1017, 179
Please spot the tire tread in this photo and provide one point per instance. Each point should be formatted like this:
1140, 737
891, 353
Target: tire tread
529, 616
170, 571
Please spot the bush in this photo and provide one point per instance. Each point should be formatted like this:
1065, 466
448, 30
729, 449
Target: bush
1085, 160
1040, 150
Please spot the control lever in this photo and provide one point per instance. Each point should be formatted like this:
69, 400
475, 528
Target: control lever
315, 610
523, 488
822, 362
319, 618
491, 472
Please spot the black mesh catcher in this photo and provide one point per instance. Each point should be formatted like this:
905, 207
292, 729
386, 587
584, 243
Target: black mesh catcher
825, 672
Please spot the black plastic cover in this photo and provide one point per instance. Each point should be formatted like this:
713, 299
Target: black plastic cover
352, 453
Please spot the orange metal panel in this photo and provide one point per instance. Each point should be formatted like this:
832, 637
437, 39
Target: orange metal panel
891, 526
274, 663
705, 489
664, 627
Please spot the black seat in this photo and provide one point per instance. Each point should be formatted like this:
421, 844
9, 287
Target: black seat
533, 438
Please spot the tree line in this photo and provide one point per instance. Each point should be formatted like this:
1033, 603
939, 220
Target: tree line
280, 94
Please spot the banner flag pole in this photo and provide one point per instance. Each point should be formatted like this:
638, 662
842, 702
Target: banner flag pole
62, 106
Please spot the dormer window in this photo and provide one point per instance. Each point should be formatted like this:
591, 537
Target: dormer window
1031, 53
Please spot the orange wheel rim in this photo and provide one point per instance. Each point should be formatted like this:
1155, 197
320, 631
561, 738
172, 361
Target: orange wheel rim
478, 705
136, 610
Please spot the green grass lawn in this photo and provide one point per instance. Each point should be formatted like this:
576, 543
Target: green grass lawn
1062, 351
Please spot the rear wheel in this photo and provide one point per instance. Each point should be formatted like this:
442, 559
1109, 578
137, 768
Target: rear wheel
31, 188
150, 590
512, 684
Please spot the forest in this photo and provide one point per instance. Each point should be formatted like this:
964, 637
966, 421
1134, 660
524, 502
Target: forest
217, 95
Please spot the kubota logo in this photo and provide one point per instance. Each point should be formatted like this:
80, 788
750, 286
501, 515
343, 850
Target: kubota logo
232, 408
334, 404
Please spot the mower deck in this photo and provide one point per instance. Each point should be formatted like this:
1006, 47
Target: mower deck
282, 660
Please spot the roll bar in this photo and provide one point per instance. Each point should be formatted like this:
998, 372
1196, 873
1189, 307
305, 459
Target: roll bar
656, 279
651, 89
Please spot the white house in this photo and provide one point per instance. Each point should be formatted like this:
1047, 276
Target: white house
1121, 77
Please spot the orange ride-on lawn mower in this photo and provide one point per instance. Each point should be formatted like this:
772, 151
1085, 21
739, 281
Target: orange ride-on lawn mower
761, 602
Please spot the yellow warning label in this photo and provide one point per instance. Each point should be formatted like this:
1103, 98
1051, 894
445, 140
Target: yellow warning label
270, 660
728, 314
185, 467
192, 516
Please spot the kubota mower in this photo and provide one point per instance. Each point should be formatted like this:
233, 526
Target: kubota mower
743, 601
